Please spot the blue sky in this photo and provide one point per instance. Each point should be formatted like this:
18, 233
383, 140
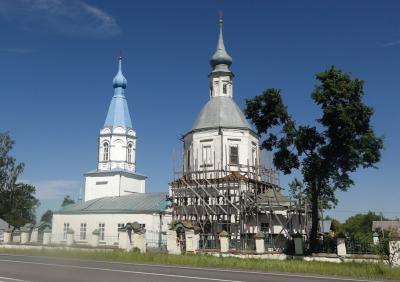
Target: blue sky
58, 59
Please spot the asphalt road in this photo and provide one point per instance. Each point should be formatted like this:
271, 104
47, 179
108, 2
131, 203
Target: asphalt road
15, 268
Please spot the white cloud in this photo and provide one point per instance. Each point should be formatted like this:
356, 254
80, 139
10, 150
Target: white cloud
68, 17
55, 189
392, 43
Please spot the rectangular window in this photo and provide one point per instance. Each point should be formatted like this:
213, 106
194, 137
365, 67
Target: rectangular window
82, 233
234, 154
207, 155
65, 231
101, 231
254, 155
188, 160
224, 89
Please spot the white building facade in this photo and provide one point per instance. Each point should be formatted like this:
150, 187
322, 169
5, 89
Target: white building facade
116, 166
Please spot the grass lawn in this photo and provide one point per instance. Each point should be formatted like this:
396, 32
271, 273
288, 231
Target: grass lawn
359, 270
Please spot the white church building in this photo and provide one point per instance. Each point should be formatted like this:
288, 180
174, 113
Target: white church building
115, 194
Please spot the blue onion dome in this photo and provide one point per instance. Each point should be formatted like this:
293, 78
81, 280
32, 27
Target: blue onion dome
220, 57
119, 80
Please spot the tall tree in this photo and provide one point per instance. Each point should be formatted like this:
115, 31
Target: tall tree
47, 216
327, 153
67, 201
17, 200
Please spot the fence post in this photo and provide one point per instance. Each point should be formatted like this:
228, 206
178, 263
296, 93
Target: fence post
341, 247
70, 237
394, 252
94, 240
16, 236
172, 243
375, 238
34, 235
123, 239
7, 236
46, 236
260, 244
224, 241
24, 236
192, 240
139, 240
298, 244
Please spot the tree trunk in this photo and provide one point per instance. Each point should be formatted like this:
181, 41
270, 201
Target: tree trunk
314, 218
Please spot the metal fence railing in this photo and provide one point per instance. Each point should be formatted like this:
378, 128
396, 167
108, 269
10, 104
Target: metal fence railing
242, 244
356, 246
275, 243
156, 241
327, 245
208, 242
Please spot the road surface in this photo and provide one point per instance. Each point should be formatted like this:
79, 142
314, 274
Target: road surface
16, 268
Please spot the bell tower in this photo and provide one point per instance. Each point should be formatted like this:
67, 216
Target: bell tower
116, 163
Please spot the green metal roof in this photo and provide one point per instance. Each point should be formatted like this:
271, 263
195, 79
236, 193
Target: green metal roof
134, 203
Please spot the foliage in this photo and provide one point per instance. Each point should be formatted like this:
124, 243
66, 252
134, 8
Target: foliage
67, 201
47, 216
359, 226
327, 153
17, 199
361, 270
296, 191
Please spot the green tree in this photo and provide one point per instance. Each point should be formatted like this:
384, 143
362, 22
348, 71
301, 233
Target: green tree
359, 226
326, 153
67, 201
17, 199
47, 216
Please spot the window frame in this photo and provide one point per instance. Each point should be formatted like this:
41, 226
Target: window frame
102, 228
106, 151
234, 158
129, 153
206, 155
82, 231
65, 230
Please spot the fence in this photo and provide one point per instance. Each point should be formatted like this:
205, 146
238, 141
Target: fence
242, 244
208, 242
356, 246
327, 245
275, 243
156, 241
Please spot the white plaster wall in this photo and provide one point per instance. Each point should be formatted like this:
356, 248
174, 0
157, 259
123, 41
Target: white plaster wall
97, 186
216, 85
195, 142
111, 221
131, 185
110, 186
118, 139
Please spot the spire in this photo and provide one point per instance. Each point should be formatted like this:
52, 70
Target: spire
221, 60
119, 79
118, 112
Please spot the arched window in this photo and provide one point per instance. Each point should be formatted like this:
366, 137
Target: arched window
129, 153
105, 151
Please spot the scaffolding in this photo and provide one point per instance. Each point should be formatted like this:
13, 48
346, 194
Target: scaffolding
239, 199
